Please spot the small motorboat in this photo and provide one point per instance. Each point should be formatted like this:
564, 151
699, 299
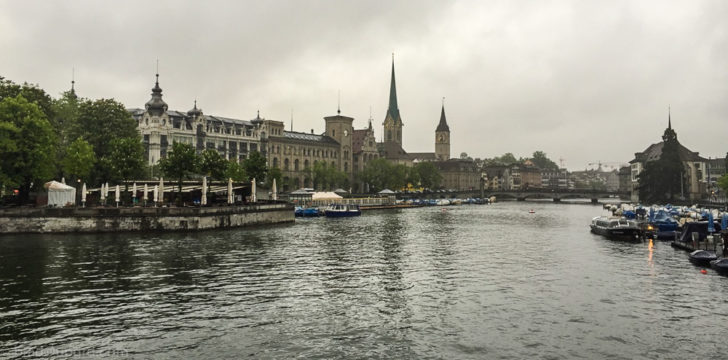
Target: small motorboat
720, 265
531, 211
616, 228
307, 212
702, 257
342, 210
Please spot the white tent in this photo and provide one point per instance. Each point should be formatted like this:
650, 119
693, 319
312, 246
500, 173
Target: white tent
386, 191
325, 196
60, 194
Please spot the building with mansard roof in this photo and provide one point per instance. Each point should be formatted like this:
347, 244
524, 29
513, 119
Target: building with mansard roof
294, 153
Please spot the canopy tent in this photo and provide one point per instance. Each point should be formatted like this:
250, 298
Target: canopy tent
386, 191
325, 196
60, 194
340, 191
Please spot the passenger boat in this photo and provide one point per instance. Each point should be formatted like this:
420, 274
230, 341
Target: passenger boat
342, 210
702, 257
616, 228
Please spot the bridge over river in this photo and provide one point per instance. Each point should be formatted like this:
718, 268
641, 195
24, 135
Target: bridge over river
521, 195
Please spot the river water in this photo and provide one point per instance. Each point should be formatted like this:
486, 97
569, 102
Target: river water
478, 281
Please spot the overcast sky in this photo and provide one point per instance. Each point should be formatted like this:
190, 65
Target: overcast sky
583, 81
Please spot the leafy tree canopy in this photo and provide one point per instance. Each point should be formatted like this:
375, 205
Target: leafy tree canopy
543, 162
212, 164
28, 143
127, 158
181, 162
79, 160
255, 166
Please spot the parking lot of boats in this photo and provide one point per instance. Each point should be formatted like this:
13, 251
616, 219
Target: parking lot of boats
701, 232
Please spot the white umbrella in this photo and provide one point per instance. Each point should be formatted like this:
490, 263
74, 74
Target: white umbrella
106, 191
203, 200
156, 193
63, 180
275, 192
103, 194
117, 194
133, 191
252, 191
83, 194
145, 192
230, 190
161, 190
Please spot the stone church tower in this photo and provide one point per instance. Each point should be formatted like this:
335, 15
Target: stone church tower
393, 122
155, 126
442, 138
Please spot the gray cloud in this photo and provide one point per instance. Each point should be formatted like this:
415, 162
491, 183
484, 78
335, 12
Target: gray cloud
583, 80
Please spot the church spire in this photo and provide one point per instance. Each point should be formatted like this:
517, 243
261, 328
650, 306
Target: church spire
393, 109
442, 126
669, 122
669, 133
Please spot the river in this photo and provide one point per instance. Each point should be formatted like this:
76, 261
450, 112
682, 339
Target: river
473, 281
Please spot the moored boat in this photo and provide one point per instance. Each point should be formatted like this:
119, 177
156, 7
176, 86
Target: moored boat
342, 210
616, 228
702, 257
720, 265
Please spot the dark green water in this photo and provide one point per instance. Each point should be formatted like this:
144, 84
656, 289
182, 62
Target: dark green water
488, 281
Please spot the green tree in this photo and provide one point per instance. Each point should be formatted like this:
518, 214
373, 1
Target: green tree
430, 176
235, 171
181, 162
79, 160
255, 166
32, 93
30, 142
723, 183
126, 158
543, 162
274, 173
506, 159
212, 164
99, 122
65, 110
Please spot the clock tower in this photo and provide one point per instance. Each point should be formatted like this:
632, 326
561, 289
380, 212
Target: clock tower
442, 138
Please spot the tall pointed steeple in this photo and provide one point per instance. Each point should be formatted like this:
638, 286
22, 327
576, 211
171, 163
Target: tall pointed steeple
442, 126
393, 120
73, 83
669, 133
393, 108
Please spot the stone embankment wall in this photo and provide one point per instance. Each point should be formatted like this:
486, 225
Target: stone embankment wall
81, 220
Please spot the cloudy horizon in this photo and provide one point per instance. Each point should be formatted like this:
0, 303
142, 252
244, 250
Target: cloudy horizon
583, 81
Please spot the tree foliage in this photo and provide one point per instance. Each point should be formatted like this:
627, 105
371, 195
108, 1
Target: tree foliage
274, 173
542, 161
181, 162
126, 158
381, 174
235, 171
99, 122
28, 143
429, 176
255, 166
212, 164
79, 159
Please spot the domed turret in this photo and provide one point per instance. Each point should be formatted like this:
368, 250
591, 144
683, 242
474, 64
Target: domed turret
156, 106
194, 112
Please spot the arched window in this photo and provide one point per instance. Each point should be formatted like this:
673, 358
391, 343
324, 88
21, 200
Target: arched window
286, 164
305, 164
346, 167
389, 135
295, 165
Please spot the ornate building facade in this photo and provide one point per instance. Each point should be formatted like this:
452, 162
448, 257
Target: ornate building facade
294, 153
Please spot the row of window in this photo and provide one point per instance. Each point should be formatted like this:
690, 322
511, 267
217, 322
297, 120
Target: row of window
295, 150
306, 164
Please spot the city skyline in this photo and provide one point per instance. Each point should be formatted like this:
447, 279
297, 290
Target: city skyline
586, 82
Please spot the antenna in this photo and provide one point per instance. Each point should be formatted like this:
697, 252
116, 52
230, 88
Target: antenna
338, 106
73, 77
291, 119
443, 101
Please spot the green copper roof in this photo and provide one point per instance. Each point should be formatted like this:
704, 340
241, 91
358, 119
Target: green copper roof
393, 109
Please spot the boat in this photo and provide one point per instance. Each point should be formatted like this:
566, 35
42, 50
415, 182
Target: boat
342, 210
702, 257
663, 226
616, 228
307, 212
720, 265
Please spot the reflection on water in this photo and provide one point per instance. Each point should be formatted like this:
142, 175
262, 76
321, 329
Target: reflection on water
470, 282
